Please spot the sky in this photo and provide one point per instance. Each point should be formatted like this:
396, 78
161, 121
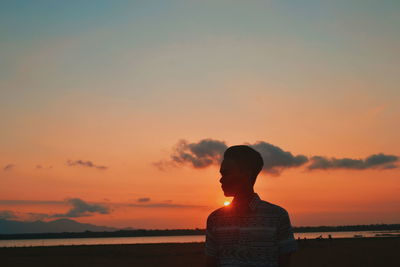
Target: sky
116, 112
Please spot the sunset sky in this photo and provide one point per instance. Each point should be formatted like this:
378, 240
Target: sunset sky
115, 112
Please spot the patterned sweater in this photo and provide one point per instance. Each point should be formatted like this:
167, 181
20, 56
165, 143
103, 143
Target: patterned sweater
253, 236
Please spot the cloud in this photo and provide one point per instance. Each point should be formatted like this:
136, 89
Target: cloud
199, 155
30, 202
375, 161
143, 199
33, 216
8, 167
24, 216
208, 152
7, 214
165, 205
276, 159
85, 164
40, 166
81, 208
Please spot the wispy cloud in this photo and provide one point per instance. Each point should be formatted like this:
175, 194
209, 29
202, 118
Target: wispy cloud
29, 202
8, 167
81, 208
88, 164
41, 167
164, 205
143, 199
25, 216
7, 214
79, 205
375, 161
146, 202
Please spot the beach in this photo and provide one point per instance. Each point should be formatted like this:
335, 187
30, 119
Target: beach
363, 252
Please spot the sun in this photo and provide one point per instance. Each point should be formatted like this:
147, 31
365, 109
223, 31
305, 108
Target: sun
227, 203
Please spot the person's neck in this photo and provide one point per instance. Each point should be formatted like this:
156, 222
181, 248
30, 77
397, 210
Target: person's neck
244, 197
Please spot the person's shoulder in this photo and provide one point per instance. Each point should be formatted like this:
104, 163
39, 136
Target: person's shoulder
272, 208
217, 213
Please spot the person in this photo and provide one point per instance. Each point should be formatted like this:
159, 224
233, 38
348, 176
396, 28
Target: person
249, 231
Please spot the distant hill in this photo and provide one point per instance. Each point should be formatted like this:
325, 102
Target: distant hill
56, 226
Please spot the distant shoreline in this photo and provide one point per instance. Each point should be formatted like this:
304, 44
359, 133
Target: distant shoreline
183, 232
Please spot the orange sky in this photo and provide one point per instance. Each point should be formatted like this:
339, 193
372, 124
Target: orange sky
119, 85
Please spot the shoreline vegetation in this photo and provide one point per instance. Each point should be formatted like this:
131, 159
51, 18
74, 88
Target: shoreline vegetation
183, 232
344, 252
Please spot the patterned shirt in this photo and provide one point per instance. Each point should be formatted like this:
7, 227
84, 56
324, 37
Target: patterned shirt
254, 236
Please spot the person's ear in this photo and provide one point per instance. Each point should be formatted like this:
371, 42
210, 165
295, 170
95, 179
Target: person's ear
248, 173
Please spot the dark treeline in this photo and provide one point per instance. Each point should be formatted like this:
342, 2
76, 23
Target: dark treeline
180, 232
347, 228
118, 233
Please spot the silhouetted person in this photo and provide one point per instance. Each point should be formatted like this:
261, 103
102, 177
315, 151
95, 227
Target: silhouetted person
250, 231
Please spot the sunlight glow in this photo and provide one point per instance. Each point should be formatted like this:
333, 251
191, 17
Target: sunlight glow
227, 203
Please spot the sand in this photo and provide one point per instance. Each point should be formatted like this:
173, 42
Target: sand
363, 252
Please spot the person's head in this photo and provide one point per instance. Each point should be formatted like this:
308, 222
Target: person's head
239, 169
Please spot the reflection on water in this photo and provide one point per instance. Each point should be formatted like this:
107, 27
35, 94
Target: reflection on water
154, 239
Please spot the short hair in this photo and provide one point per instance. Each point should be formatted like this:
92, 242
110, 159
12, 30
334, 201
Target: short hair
247, 157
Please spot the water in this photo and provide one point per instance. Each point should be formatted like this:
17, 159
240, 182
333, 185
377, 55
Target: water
155, 239
101, 241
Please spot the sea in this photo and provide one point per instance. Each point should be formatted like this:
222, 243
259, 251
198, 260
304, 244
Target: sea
166, 239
